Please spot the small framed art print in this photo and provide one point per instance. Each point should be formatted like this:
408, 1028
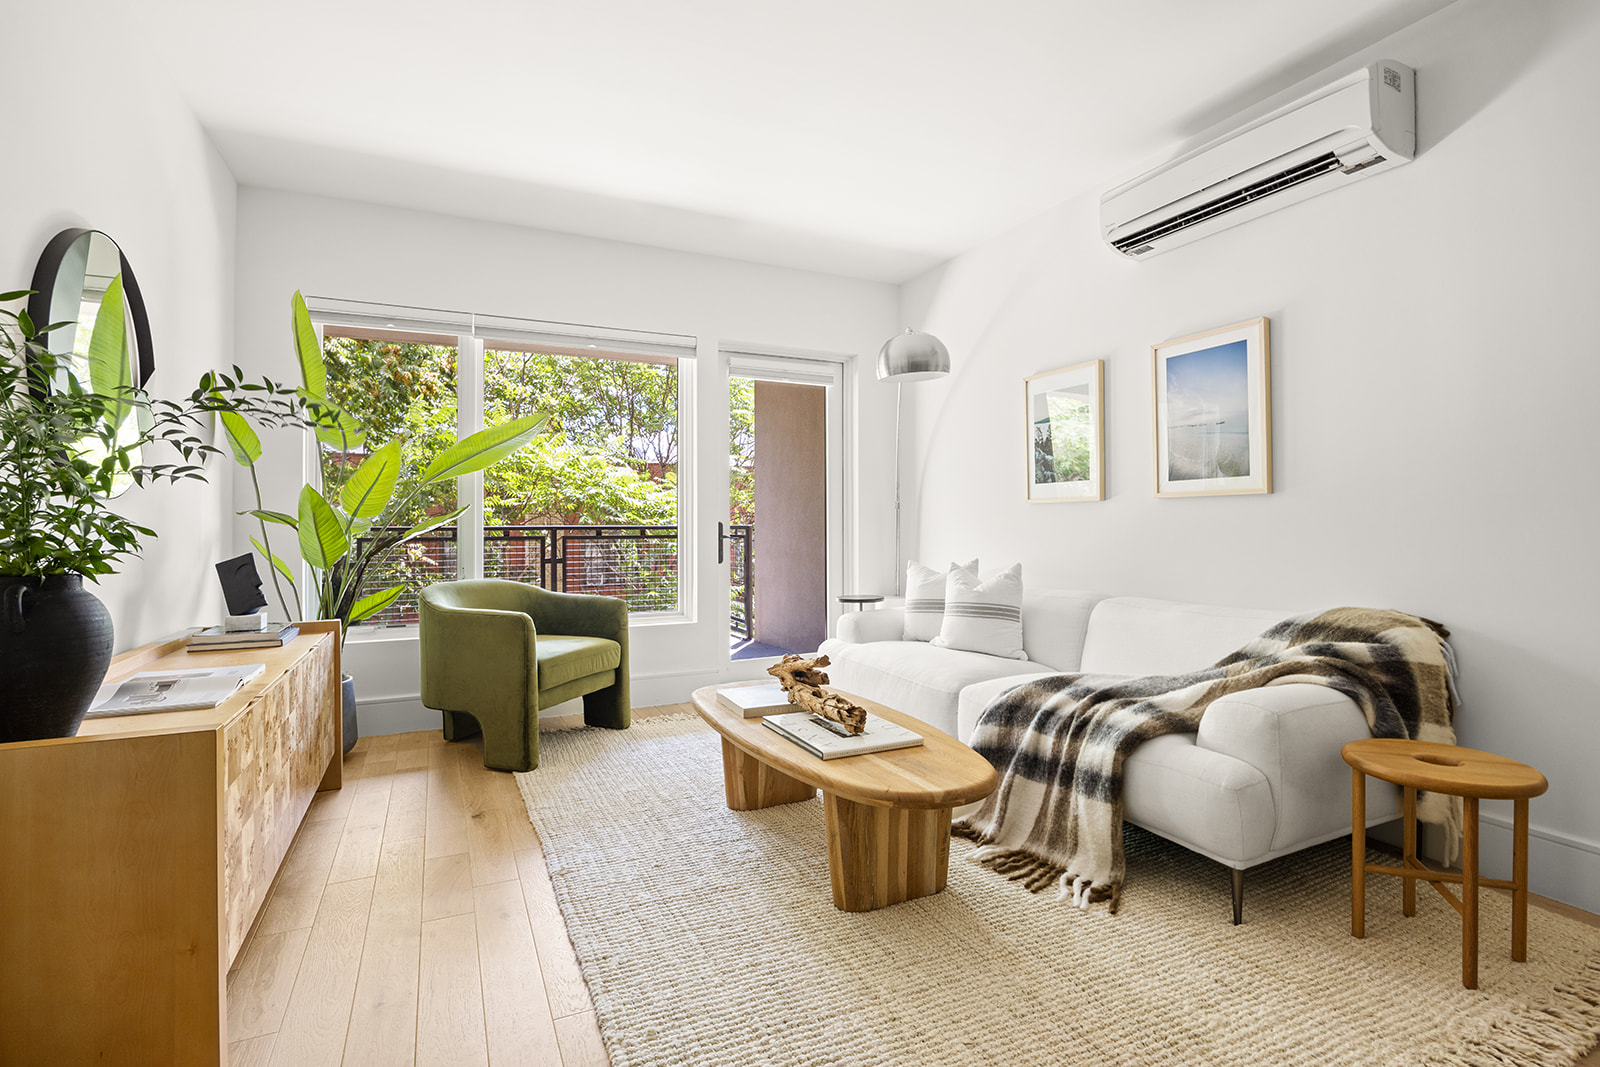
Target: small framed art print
1066, 433
1213, 412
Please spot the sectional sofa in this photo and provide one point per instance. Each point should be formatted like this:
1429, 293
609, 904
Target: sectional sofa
1262, 778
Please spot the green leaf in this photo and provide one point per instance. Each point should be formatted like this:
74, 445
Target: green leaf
306, 347
242, 439
277, 564
430, 523
322, 542
336, 427
108, 345
15, 294
484, 448
369, 489
369, 606
275, 516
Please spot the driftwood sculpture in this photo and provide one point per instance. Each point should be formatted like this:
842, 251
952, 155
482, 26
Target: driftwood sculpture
802, 678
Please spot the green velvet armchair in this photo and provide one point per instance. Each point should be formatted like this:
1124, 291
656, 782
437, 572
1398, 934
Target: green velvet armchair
494, 652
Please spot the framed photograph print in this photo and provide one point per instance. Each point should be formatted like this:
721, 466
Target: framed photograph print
1066, 434
1213, 400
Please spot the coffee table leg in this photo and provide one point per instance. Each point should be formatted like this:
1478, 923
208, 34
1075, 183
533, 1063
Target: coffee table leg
751, 784
882, 856
1469, 893
1358, 853
1519, 881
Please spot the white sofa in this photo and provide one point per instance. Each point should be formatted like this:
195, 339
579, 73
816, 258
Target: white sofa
1262, 777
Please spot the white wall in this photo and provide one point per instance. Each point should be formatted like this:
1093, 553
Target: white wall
95, 142
340, 248
1434, 361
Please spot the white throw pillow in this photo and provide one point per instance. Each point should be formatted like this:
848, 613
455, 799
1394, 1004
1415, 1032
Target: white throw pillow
925, 599
983, 616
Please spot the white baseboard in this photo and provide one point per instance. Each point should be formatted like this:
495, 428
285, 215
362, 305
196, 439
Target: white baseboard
401, 713
1560, 866
391, 715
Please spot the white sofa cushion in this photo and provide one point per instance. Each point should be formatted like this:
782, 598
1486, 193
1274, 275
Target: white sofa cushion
1136, 636
1053, 625
924, 609
919, 679
983, 615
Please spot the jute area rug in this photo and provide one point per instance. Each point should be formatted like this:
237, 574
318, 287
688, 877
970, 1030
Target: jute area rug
709, 937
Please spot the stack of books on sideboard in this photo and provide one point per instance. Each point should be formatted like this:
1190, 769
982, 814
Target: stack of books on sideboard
218, 639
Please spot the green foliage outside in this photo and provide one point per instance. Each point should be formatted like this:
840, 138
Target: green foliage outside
742, 451
609, 458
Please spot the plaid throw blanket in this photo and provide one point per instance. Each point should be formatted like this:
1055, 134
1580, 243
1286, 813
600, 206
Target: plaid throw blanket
1059, 743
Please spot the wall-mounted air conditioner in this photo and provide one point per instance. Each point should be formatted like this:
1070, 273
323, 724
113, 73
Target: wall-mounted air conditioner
1357, 126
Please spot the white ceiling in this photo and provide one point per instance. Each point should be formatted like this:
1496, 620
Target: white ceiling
871, 138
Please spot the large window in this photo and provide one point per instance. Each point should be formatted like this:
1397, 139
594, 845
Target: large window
399, 385
591, 507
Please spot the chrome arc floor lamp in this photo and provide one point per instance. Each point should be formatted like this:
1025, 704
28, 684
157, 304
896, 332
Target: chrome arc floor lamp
911, 356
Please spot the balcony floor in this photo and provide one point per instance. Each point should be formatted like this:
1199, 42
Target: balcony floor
748, 648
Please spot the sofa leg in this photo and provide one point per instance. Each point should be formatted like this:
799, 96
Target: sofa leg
1238, 895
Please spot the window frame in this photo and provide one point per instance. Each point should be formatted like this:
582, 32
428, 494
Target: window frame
472, 333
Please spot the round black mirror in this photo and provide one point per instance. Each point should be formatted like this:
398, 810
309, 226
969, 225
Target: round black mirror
84, 279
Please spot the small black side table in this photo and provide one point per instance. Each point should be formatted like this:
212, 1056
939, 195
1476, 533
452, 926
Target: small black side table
860, 599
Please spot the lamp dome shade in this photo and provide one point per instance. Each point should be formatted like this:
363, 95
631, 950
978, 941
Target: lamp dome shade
913, 356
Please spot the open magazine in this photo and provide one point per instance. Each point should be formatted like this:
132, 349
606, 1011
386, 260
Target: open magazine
171, 690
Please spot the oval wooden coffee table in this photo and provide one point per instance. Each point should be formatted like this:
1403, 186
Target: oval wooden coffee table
888, 813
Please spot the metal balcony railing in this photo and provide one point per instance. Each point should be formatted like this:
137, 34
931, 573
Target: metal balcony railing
638, 564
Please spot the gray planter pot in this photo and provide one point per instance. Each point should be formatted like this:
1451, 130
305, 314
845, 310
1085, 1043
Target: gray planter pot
351, 733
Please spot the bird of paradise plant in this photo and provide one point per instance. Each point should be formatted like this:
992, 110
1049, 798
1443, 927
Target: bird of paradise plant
332, 524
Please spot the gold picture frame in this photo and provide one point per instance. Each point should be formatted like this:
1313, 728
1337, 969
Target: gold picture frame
1213, 411
1064, 415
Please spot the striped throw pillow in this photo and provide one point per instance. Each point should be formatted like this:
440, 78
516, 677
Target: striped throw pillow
983, 616
925, 599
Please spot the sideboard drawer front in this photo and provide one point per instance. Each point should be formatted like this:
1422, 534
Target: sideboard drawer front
277, 751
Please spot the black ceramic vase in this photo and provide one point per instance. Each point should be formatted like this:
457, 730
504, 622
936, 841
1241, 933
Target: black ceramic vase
55, 645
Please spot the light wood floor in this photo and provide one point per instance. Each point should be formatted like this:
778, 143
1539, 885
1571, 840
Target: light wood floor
413, 922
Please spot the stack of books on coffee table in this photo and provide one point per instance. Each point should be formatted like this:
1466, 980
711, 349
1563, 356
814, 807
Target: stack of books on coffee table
821, 741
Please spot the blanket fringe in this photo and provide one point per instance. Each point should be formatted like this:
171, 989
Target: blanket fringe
1560, 1031
1037, 874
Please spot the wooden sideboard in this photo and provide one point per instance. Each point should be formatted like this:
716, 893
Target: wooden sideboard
135, 857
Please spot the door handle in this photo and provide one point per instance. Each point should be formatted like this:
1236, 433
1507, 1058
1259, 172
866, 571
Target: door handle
722, 543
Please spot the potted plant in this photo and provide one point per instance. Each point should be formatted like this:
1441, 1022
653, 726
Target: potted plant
350, 524
65, 446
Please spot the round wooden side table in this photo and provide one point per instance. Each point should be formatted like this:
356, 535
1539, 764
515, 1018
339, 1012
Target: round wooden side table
860, 600
1462, 772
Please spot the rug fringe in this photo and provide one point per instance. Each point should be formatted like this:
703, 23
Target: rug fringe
1557, 1034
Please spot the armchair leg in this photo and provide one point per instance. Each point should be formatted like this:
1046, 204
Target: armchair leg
1238, 896
458, 725
607, 707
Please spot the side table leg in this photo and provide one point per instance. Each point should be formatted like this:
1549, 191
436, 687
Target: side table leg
1358, 853
1469, 893
1408, 894
1519, 881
